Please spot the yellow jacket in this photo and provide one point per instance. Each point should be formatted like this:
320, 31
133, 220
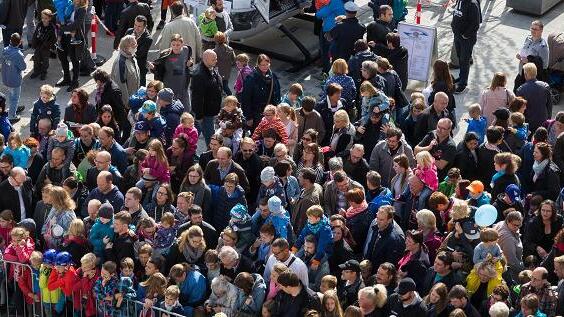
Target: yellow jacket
47, 296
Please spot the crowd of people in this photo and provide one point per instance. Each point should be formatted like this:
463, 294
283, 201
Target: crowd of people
353, 202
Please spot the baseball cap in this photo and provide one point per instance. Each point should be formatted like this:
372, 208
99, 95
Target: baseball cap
476, 187
149, 106
406, 285
513, 192
141, 126
471, 231
352, 265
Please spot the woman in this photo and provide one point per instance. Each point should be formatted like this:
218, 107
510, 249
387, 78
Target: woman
357, 217
427, 224
340, 76
437, 301
466, 158
546, 179
393, 88
292, 190
506, 165
444, 82
556, 251
495, 96
192, 286
42, 208
151, 292
310, 159
216, 142
35, 162
341, 249
555, 128
108, 93
252, 291
369, 71
106, 119
161, 203
223, 297
415, 262
399, 182
327, 107
179, 161
59, 218
195, 183
189, 248
343, 133
309, 136
71, 43
76, 243
541, 230
125, 70
79, 111
261, 88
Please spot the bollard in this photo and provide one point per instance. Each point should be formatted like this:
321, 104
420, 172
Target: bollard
98, 60
418, 13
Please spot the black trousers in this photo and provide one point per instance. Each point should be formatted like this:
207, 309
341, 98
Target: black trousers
41, 61
72, 52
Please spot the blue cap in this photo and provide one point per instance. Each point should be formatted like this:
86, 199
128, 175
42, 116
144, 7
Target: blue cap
239, 212
141, 126
149, 106
513, 192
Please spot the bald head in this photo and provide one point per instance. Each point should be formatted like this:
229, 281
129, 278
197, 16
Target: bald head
17, 172
209, 58
539, 277
17, 176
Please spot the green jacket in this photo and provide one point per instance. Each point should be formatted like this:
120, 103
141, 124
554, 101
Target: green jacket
207, 27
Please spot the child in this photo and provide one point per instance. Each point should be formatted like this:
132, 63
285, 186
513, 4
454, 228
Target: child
294, 96
241, 223
213, 266
49, 298
13, 64
90, 220
63, 139
19, 152
488, 247
156, 123
279, 218
7, 223
102, 228
261, 249
187, 128
426, 170
127, 269
106, 288
19, 250
477, 195
126, 288
43, 41
448, 186
477, 123
166, 234
5, 124
271, 185
208, 27
231, 111
271, 121
29, 284
371, 98
225, 59
171, 303
288, 117
519, 127
243, 70
155, 164
318, 226
44, 107
273, 287
83, 295
63, 278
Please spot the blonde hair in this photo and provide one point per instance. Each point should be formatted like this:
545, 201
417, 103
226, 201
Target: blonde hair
315, 211
332, 294
459, 210
279, 268
19, 233
243, 58
367, 87
475, 109
220, 38
289, 111
192, 232
61, 200
424, 159
230, 99
47, 89
187, 118
76, 228
488, 235
15, 136
157, 146
340, 67
377, 293
89, 259
330, 281
127, 263
269, 108
172, 291
36, 256
342, 115
530, 70
517, 118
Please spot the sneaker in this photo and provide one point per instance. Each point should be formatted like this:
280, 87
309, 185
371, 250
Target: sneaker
73, 85
459, 89
15, 119
75, 42
161, 25
452, 66
20, 109
63, 82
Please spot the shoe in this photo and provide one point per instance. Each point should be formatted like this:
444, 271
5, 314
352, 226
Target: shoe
64, 82
15, 119
459, 89
73, 85
43, 76
75, 42
452, 66
161, 25
34, 75
20, 109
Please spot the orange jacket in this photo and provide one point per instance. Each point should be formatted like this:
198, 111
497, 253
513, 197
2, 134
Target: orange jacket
63, 281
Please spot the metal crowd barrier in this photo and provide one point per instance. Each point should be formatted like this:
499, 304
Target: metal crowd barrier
12, 300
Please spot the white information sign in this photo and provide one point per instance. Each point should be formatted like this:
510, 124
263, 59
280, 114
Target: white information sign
263, 7
420, 41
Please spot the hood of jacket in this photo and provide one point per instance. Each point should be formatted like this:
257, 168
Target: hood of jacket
175, 107
10, 51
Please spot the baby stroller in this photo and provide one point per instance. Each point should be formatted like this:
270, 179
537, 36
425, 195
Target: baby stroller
556, 65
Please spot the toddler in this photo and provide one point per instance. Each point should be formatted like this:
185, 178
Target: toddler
126, 288
45, 106
225, 60
211, 258
102, 229
13, 65
106, 288
7, 223
28, 283
241, 223
19, 152
477, 123
231, 111
318, 226
488, 247
49, 299
43, 41
155, 164
63, 139
426, 170
83, 290
207, 26
477, 194
270, 121
372, 98
243, 70
271, 185
186, 127
448, 186
294, 96
92, 209
63, 278
519, 127
5, 125
171, 303
279, 217
166, 234
127, 269
288, 117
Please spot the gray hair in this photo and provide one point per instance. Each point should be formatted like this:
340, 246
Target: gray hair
220, 285
127, 42
499, 309
335, 164
370, 67
280, 147
358, 146
228, 253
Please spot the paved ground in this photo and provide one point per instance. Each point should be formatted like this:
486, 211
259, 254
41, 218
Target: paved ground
500, 37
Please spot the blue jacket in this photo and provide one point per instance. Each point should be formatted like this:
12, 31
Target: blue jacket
293, 189
137, 99
222, 205
192, 291
383, 199
478, 126
13, 64
20, 155
329, 12
114, 197
5, 126
324, 238
171, 115
157, 127
277, 189
98, 231
119, 157
257, 294
44, 110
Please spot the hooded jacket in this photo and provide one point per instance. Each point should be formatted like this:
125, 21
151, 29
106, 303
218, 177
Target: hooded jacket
171, 114
97, 233
42, 110
257, 297
64, 281
323, 236
381, 159
466, 18
13, 64
415, 309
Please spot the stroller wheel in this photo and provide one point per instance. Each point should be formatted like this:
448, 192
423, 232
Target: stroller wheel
555, 94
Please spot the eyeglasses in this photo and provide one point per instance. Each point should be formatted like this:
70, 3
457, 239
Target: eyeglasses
100, 162
162, 193
442, 128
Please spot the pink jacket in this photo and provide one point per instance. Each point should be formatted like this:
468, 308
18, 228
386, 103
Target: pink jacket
191, 133
243, 73
158, 170
428, 176
18, 253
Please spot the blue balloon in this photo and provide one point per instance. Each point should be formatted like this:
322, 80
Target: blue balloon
485, 215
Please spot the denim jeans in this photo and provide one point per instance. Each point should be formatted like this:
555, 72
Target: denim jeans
13, 97
464, 49
207, 127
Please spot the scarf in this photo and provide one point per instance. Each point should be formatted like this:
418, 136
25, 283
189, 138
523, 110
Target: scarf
353, 211
496, 177
192, 255
538, 167
492, 147
315, 227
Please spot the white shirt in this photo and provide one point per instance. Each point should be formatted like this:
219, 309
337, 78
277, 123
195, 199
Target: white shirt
298, 267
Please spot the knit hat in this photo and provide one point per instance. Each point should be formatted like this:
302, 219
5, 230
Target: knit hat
28, 224
275, 206
502, 114
238, 212
267, 174
106, 211
62, 130
166, 94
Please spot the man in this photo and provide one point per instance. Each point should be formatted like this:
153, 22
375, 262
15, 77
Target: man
102, 162
486, 152
361, 53
511, 198
223, 21
385, 241
510, 242
537, 94
539, 285
398, 57
144, 42
306, 255
377, 30
345, 33
251, 163
217, 169
534, 46
384, 153
17, 194
466, 18
441, 146
294, 298
280, 250
184, 26
352, 283
105, 191
355, 164
407, 302
44, 127
197, 219
6, 165
387, 275
84, 143
442, 272
415, 198
312, 194
428, 119
12, 16
122, 245
559, 270
55, 171
139, 140
132, 204
232, 263
458, 298
376, 195
309, 118
129, 16
334, 200
117, 153
206, 92
371, 300
170, 110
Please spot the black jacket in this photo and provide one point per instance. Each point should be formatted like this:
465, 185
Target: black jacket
252, 167
486, 164
77, 25
122, 248
441, 86
144, 43
12, 12
398, 57
210, 234
501, 206
127, 19
348, 294
465, 161
207, 89
449, 280
428, 119
344, 35
376, 31
111, 95
10, 199
502, 182
355, 65
535, 235
306, 300
548, 183
466, 18
256, 92
44, 37
417, 309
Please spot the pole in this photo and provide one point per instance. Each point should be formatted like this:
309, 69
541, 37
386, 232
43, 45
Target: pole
418, 13
93, 31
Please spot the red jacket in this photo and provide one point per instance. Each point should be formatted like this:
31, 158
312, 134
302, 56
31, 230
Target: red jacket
275, 124
18, 253
83, 288
25, 282
63, 281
